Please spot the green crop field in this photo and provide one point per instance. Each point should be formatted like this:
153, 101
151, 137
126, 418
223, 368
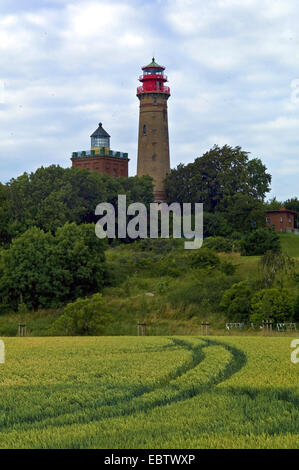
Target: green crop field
149, 392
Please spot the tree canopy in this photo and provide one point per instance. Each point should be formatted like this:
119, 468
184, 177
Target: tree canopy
225, 181
45, 270
52, 196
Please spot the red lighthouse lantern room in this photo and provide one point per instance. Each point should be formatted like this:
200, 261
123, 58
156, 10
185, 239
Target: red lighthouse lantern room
153, 79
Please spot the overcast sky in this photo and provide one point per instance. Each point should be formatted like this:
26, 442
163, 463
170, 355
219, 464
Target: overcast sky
233, 69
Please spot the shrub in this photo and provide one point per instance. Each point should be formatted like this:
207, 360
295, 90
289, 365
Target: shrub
236, 301
273, 304
276, 267
259, 242
83, 317
158, 245
220, 244
227, 268
204, 258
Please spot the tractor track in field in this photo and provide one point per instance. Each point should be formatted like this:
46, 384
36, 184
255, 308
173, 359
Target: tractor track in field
108, 408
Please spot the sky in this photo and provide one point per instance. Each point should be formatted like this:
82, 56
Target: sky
233, 70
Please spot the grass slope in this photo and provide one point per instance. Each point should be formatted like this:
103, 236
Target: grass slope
290, 244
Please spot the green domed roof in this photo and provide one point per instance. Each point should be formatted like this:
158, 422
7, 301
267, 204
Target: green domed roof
153, 64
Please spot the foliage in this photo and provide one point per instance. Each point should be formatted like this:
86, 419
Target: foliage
226, 182
215, 224
236, 301
276, 266
53, 196
83, 317
292, 204
260, 241
228, 268
273, 204
160, 246
273, 304
204, 258
48, 270
221, 244
218, 174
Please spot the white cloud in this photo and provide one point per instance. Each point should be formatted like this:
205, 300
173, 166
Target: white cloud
231, 65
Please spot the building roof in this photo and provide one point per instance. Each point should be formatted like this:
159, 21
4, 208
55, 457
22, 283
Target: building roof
153, 64
100, 132
282, 209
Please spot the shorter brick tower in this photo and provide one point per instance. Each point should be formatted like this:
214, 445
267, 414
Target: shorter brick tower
100, 158
153, 141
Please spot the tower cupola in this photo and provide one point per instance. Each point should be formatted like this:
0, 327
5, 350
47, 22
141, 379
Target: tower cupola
100, 138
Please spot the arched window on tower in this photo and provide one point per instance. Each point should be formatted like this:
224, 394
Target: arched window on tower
144, 129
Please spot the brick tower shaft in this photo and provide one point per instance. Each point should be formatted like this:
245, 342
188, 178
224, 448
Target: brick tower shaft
153, 139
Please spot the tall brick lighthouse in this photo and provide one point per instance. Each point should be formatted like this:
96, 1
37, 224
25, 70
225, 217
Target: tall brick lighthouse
153, 140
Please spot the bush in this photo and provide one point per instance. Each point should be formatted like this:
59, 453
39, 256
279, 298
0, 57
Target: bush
227, 268
204, 258
259, 242
236, 301
83, 317
274, 304
158, 245
221, 244
202, 289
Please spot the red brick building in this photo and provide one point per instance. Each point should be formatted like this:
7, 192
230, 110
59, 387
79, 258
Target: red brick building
100, 157
282, 220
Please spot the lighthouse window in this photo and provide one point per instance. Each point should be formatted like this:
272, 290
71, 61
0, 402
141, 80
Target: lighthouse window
144, 129
100, 142
155, 100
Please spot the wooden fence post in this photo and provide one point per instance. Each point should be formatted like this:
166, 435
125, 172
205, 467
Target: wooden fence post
22, 329
141, 327
205, 328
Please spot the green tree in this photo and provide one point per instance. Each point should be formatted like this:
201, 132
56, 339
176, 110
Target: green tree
273, 304
53, 196
259, 242
27, 270
236, 301
48, 270
4, 216
219, 174
273, 204
83, 317
292, 204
